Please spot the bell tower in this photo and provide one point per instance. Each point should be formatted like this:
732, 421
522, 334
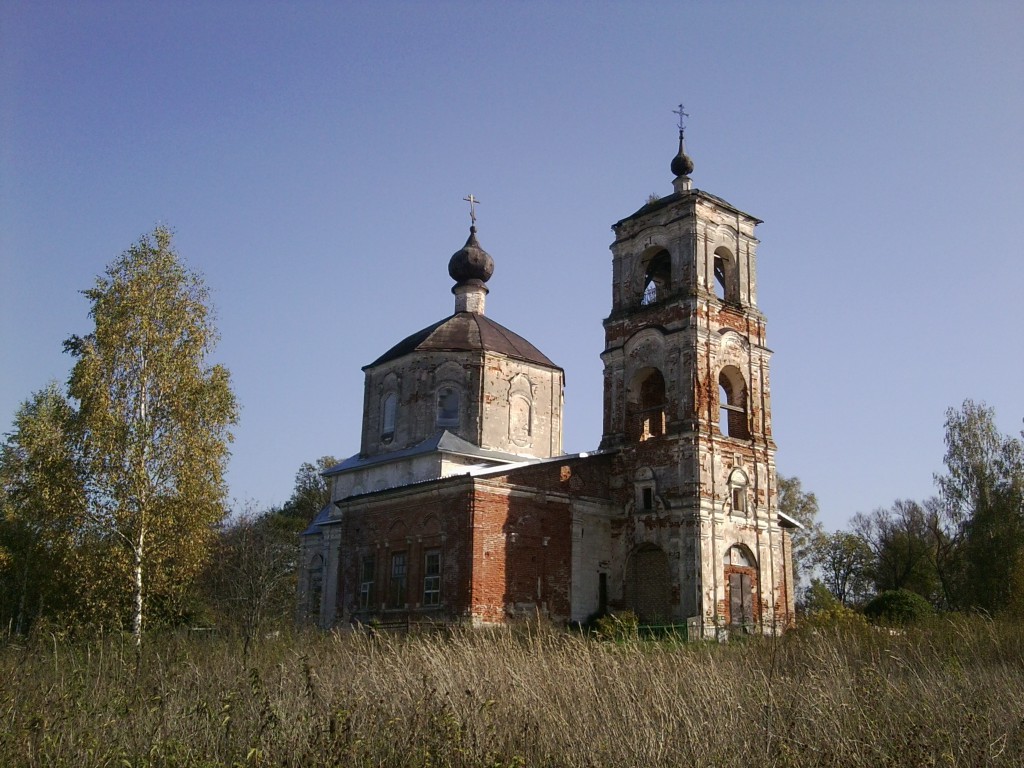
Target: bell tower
687, 406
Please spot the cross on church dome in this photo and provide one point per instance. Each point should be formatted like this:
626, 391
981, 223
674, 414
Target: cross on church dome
682, 163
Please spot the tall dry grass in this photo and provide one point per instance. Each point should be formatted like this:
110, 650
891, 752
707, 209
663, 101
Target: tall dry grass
949, 694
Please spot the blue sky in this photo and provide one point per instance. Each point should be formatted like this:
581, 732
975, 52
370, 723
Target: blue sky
312, 158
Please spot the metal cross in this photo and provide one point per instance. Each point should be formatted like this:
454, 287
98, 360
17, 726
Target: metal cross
472, 207
681, 114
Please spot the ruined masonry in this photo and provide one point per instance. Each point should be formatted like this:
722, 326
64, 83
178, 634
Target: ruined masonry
461, 507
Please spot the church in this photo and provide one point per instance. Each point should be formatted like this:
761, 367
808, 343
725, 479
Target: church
460, 506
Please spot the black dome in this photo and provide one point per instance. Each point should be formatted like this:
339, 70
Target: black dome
471, 262
682, 165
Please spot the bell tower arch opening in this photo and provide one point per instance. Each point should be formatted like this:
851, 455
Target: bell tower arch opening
726, 271
732, 403
646, 405
657, 278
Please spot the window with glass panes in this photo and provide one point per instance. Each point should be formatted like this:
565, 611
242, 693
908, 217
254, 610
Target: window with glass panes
398, 574
366, 582
432, 577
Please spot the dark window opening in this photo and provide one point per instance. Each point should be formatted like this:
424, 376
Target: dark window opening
397, 585
648, 498
657, 278
739, 500
726, 272
448, 406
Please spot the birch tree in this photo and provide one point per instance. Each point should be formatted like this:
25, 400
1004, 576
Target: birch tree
982, 524
153, 422
40, 502
803, 507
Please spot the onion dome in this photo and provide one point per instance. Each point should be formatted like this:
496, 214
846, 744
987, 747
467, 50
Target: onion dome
682, 164
471, 263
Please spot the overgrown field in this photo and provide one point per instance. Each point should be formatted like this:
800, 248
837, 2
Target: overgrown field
951, 694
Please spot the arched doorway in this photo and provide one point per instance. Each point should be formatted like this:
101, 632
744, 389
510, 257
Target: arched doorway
648, 584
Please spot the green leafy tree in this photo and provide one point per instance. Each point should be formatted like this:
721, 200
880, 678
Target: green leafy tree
153, 424
41, 497
802, 506
311, 492
843, 560
981, 525
902, 546
898, 606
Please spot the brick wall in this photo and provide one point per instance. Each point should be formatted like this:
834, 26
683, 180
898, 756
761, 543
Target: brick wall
412, 521
522, 547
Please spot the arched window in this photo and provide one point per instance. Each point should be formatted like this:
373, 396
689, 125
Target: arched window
739, 556
657, 277
448, 406
727, 282
732, 401
646, 401
388, 409
738, 492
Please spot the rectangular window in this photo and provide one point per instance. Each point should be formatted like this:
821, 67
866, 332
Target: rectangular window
448, 406
398, 573
369, 565
432, 577
739, 500
387, 431
648, 498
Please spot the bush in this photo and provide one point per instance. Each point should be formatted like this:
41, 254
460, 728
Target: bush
898, 606
618, 626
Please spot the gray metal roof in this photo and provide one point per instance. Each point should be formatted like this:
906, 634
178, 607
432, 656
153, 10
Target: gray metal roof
321, 518
676, 196
466, 332
440, 442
